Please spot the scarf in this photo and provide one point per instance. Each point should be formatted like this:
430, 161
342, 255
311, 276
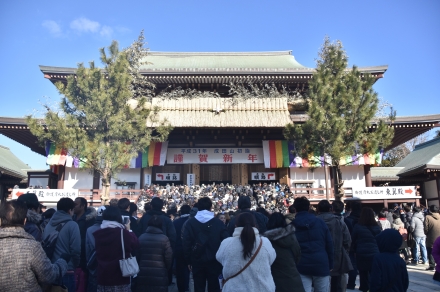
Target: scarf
111, 224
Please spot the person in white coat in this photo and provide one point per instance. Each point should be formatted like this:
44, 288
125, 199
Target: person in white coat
236, 251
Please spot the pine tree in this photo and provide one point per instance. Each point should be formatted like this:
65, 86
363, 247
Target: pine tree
341, 106
103, 118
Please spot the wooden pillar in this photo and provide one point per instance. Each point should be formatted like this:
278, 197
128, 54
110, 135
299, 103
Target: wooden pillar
141, 178
367, 173
438, 185
96, 180
284, 174
196, 171
244, 176
385, 203
235, 169
61, 173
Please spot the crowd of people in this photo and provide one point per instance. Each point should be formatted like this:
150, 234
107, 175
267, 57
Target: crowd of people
229, 237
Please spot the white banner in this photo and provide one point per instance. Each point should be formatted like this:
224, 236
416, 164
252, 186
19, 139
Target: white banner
263, 176
47, 195
167, 176
381, 193
191, 179
147, 179
215, 155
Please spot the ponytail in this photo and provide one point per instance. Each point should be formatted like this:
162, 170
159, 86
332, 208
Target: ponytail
247, 236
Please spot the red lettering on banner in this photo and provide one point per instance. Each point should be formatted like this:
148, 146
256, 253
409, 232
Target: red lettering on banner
178, 158
203, 158
252, 157
227, 158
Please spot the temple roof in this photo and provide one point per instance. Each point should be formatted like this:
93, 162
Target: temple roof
424, 156
11, 165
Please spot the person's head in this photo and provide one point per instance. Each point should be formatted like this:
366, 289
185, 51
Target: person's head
30, 200
113, 202
80, 205
395, 216
13, 213
124, 204
338, 207
49, 213
301, 204
367, 217
324, 206
222, 217
382, 214
204, 203
433, 209
156, 204
112, 213
389, 240
417, 209
407, 208
155, 221
244, 202
276, 220
133, 209
185, 209
147, 207
292, 209
356, 207
247, 236
66, 204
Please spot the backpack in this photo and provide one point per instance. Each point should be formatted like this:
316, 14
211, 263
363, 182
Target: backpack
50, 241
202, 238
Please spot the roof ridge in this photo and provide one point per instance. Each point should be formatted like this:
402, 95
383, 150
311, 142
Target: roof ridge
4, 147
263, 53
427, 143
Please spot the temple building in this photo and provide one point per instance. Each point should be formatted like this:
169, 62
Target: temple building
217, 140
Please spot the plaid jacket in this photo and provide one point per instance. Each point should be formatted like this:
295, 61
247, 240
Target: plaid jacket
24, 265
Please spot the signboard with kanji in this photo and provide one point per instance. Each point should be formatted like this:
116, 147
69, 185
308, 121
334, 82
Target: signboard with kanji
47, 195
215, 155
167, 176
263, 176
392, 192
191, 179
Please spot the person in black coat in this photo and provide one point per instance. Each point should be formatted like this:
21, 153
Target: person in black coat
124, 206
389, 273
182, 271
154, 257
364, 245
244, 204
351, 221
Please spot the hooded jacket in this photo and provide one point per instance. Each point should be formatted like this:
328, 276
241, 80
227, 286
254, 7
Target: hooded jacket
436, 254
257, 276
32, 226
388, 272
288, 252
417, 224
364, 245
316, 245
69, 238
23, 262
84, 222
167, 225
432, 228
90, 239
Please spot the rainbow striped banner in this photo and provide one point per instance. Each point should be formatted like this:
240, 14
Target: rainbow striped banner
279, 153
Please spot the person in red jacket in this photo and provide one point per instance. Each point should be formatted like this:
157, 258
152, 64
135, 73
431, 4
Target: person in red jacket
109, 251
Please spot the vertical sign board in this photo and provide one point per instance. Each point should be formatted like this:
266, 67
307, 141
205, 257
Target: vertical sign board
263, 176
148, 179
191, 178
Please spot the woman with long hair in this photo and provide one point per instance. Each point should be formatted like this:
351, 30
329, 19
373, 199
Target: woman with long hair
108, 246
364, 245
246, 258
288, 251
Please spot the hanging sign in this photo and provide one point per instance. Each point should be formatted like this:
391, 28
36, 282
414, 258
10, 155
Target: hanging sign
47, 195
215, 155
393, 192
148, 179
191, 179
263, 176
167, 176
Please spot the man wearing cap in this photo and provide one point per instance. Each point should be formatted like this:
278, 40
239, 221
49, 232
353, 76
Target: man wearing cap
432, 230
33, 217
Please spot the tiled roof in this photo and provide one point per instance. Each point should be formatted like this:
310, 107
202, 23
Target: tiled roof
11, 165
385, 173
425, 155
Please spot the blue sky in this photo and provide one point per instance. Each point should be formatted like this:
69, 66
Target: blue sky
402, 34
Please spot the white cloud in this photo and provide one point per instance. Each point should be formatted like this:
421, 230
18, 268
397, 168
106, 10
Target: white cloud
106, 31
85, 25
53, 27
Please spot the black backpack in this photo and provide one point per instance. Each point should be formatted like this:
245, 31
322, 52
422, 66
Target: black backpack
202, 238
50, 241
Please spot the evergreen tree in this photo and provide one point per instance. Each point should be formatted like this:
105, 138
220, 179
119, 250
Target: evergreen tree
104, 117
341, 107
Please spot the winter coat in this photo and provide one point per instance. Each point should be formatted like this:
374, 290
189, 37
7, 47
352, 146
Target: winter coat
167, 225
417, 224
389, 218
216, 234
32, 226
399, 226
388, 272
108, 253
432, 228
436, 254
90, 239
178, 224
351, 220
257, 276
407, 221
259, 218
288, 253
364, 245
289, 217
84, 222
341, 243
155, 258
316, 245
69, 238
23, 262
384, 223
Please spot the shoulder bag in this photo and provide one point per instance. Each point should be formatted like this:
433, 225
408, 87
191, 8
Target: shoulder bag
247, 265
129, 267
